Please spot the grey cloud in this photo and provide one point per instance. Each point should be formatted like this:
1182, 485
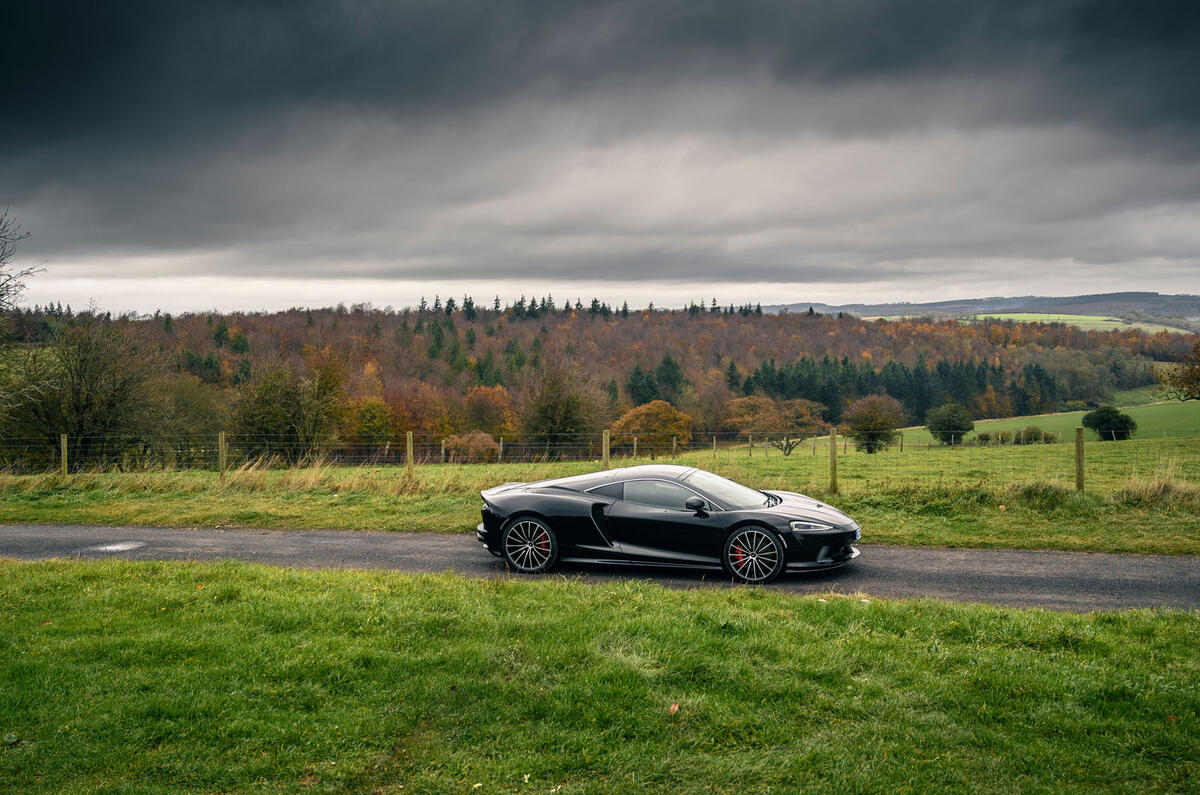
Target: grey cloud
180, 68
818, 142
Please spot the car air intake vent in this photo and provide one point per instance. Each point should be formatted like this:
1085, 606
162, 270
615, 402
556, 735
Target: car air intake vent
599, 519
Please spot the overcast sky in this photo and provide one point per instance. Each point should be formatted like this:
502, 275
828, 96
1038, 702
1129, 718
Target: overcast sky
243, 154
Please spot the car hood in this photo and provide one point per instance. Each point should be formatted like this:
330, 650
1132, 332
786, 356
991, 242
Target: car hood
798, 506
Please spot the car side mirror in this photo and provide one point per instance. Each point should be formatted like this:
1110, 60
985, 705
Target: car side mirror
695, 504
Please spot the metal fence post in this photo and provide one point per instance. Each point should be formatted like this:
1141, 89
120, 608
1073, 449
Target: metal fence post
833, 484
408, 451
222, 454
604, 437
62, 450
1079, 459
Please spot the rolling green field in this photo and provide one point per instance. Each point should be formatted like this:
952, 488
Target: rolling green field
156, 677
1142, 496
1085, 322
1155, 421
1138, 396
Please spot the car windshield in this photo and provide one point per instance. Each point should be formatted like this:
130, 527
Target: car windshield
732, 495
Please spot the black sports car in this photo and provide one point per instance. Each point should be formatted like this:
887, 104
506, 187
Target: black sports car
663, 516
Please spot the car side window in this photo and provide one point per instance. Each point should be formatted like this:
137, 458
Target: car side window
614, 490
658, 493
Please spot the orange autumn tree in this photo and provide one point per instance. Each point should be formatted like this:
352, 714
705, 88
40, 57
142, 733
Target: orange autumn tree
783, 424
489, 409
754, 415
1183, 383
801, 420
655, 424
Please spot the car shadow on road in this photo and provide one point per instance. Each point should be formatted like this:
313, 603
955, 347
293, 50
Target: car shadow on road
821, 580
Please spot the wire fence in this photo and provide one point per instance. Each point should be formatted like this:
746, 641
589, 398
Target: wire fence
860, 461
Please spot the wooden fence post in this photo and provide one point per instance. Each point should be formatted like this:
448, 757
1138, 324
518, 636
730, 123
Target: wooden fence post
222, 454
674, 443
833, 484
62, 451
443, 451
604, 437
714, 449
500, 452
750, 446
635, 447
1079, 459
408, 451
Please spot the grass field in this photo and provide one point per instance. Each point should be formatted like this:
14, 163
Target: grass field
1155, 421
221, 677
1137, 396
1142, 496
1085, 322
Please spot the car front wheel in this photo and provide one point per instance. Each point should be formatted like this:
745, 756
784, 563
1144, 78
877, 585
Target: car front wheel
529, 545
753, 555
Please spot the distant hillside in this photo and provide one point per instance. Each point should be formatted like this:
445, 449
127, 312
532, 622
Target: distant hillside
1178, 310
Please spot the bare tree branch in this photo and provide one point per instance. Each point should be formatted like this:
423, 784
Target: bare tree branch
12, 280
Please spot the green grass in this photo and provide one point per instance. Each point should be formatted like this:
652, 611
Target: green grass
1142, 496
1085, 322
1137, 396
150, 677
1155, 421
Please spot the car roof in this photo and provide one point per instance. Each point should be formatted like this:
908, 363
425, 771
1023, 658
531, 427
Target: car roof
594, 479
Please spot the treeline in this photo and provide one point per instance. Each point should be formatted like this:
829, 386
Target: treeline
987, 390
360, 375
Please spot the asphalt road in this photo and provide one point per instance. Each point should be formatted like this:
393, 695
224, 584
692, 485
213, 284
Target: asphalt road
1078, 581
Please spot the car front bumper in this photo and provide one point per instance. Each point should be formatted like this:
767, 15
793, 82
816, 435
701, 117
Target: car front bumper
822, 550
826, 561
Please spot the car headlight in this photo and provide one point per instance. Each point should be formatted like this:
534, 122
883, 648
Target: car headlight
809, 526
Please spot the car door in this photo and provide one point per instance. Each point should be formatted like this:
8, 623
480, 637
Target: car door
652, 525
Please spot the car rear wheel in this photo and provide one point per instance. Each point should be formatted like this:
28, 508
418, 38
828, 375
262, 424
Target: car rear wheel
529, 545
753, 555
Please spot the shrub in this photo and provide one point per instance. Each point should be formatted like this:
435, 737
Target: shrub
949, 422
1032, 434
873, 421
1110, 424
983, 437
475, 447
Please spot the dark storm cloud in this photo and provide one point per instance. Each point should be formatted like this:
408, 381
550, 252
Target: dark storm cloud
185, 68
774, 141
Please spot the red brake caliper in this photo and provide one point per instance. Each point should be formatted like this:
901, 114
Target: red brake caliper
738, 556
544, 542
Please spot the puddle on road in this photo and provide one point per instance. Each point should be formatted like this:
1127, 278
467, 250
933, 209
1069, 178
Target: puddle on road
120, 546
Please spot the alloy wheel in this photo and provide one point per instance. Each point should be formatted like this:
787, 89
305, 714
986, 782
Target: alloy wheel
529, 546
753, 555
